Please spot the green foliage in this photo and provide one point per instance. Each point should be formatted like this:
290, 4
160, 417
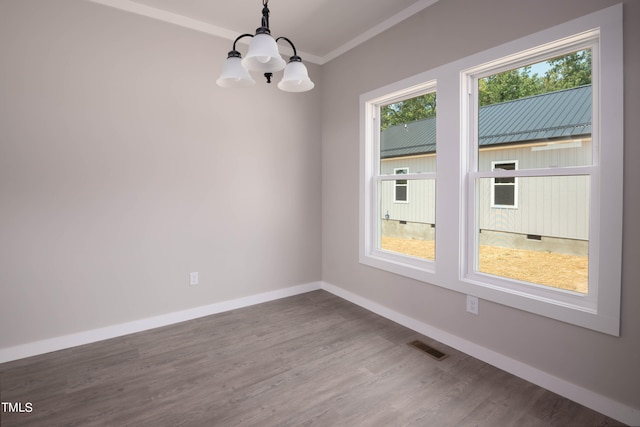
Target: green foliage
514, 84
569, 71
409, 110
564, 72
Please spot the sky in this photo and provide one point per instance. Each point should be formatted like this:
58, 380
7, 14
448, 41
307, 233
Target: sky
540, 68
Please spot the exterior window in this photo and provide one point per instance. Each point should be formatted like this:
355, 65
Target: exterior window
504, 194
527, 181
401, 185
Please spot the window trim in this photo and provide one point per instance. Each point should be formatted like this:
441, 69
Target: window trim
453, 159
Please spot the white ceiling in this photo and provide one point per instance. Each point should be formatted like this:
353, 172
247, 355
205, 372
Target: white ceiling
320, 29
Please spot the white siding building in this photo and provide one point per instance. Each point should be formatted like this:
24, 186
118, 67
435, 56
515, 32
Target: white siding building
542, 131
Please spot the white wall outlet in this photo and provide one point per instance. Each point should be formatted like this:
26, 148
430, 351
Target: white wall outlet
472, 304
193, 278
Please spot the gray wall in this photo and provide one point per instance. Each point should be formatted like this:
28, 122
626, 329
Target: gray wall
123, 167
446, 31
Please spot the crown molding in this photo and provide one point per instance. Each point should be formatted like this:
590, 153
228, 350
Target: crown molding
196, 25
380, 28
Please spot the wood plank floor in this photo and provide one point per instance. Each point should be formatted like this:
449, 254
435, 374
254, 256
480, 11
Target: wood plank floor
309, 360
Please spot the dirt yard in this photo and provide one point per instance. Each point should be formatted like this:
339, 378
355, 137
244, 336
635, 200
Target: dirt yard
552, 269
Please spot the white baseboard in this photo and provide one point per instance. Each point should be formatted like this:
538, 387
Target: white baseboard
588, 398
67, 341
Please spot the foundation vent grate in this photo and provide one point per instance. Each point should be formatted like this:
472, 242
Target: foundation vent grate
433, 352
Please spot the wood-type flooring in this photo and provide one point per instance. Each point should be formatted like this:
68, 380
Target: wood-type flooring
308, 360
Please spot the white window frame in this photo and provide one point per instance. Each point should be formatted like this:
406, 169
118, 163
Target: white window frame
370, 227
470, 78
600, 310
513, 184
401, 171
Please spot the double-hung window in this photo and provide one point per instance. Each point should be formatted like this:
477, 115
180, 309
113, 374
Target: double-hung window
400, 224
549, 133
527, 181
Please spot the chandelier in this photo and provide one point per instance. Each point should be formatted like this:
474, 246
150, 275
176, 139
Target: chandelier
263, 56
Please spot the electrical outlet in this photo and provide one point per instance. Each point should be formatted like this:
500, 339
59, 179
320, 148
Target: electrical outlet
472, 304
193, 278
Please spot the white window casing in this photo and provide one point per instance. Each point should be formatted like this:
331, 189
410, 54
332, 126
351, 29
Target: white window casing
456, 162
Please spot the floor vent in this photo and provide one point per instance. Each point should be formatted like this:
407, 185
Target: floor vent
436, 354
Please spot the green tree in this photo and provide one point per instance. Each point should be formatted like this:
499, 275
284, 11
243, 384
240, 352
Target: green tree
409, 110
564, 72
568, 71
507, 86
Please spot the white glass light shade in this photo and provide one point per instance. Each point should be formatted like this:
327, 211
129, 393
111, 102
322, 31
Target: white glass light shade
234, 74
263, 55
295, 78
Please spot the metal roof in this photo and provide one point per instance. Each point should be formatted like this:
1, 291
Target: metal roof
560, 114
417, 137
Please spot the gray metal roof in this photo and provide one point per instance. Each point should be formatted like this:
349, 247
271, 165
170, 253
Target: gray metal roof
565, 113
417, 137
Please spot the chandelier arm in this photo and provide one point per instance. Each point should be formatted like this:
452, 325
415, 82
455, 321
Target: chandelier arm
295, 52
240, 37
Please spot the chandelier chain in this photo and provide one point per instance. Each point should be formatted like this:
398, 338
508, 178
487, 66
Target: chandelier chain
265, 14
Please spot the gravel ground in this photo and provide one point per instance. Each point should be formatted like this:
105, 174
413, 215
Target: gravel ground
546, 268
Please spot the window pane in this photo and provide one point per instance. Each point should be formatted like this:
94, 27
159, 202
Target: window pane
505, 166
510, 180
408, 228
408, 135
504, 195
545, 241
538, 115
401, 192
